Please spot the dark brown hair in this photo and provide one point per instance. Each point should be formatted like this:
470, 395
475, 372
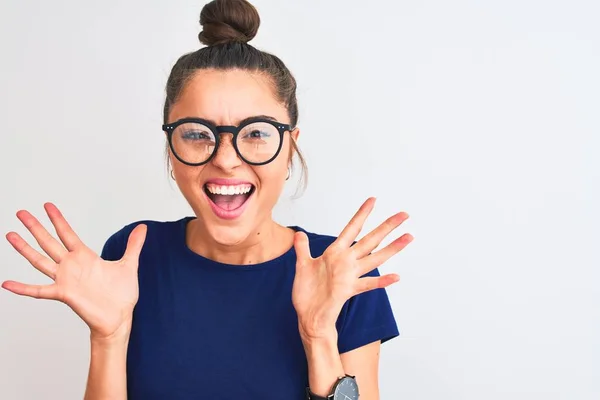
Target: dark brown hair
228, 26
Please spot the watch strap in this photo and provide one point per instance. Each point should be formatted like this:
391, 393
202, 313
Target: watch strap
311, 396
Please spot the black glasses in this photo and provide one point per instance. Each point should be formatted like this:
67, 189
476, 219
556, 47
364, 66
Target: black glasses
194, 141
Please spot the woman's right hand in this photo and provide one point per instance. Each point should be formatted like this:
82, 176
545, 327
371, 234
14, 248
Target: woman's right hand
103, 293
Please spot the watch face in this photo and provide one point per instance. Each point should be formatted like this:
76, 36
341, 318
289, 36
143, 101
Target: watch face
346, 389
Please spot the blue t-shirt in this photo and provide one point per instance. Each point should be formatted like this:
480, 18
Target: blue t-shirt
208, 330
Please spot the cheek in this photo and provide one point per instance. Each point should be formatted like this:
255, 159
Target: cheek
271, 179
272, 176
186, 176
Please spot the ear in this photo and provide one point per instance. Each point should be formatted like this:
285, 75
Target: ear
171, 160
170, 157
294, 137
295, 133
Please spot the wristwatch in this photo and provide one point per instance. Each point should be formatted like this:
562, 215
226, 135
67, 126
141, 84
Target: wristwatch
345, 388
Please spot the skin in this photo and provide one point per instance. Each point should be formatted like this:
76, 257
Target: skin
103, 293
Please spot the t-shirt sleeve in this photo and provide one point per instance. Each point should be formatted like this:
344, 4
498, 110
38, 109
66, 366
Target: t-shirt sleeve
114, 247
366, 318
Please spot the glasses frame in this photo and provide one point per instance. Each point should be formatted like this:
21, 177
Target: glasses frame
217, 130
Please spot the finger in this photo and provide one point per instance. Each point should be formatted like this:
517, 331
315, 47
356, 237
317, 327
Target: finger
49, 292
375, 282
374, 260
41, 263
355, 225
135, 243
47, 242
302, 247
66, 234
370, 242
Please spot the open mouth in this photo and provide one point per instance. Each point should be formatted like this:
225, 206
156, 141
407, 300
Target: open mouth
228, 197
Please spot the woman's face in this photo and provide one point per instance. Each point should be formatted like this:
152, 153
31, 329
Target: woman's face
226, 98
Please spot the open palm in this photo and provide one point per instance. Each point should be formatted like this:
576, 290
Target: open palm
323, 284
103, 293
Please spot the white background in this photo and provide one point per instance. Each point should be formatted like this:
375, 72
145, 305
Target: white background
480, 119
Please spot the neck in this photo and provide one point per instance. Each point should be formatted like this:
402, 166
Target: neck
266, 242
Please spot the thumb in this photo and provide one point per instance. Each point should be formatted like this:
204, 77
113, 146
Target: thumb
135, 242
301, 246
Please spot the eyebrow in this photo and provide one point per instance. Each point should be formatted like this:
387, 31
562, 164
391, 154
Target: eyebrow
247, 119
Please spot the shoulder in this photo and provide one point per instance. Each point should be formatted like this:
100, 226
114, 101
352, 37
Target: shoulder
154, 227
318, 242
115, 245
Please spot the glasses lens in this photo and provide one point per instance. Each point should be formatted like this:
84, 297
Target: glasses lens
258, 142
193, 142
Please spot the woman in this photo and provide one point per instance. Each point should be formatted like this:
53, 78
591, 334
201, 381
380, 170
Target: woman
227, 304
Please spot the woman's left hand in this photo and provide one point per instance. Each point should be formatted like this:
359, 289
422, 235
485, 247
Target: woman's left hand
322, 285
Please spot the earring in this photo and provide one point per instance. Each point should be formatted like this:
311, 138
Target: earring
172, 176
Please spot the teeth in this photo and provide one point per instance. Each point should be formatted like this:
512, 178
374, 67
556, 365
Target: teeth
228, 190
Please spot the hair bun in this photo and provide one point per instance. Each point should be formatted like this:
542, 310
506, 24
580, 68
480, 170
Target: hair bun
228, 21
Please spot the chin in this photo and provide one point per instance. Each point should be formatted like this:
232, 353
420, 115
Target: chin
228, 235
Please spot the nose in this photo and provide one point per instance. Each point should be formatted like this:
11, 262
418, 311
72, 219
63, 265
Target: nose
226, 157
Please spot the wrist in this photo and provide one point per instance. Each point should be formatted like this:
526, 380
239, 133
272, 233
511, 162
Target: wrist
112, 344
320, 345
323, 351
311, 332
115, 339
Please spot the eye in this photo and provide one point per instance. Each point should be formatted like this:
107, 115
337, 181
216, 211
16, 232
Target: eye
256, 134
195, 135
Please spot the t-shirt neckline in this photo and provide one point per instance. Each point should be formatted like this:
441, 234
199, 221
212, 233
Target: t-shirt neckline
181, 240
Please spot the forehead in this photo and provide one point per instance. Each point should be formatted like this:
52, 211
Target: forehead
227, 97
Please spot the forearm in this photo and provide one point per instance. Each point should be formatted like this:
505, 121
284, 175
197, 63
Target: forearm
107, 379
324, 363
